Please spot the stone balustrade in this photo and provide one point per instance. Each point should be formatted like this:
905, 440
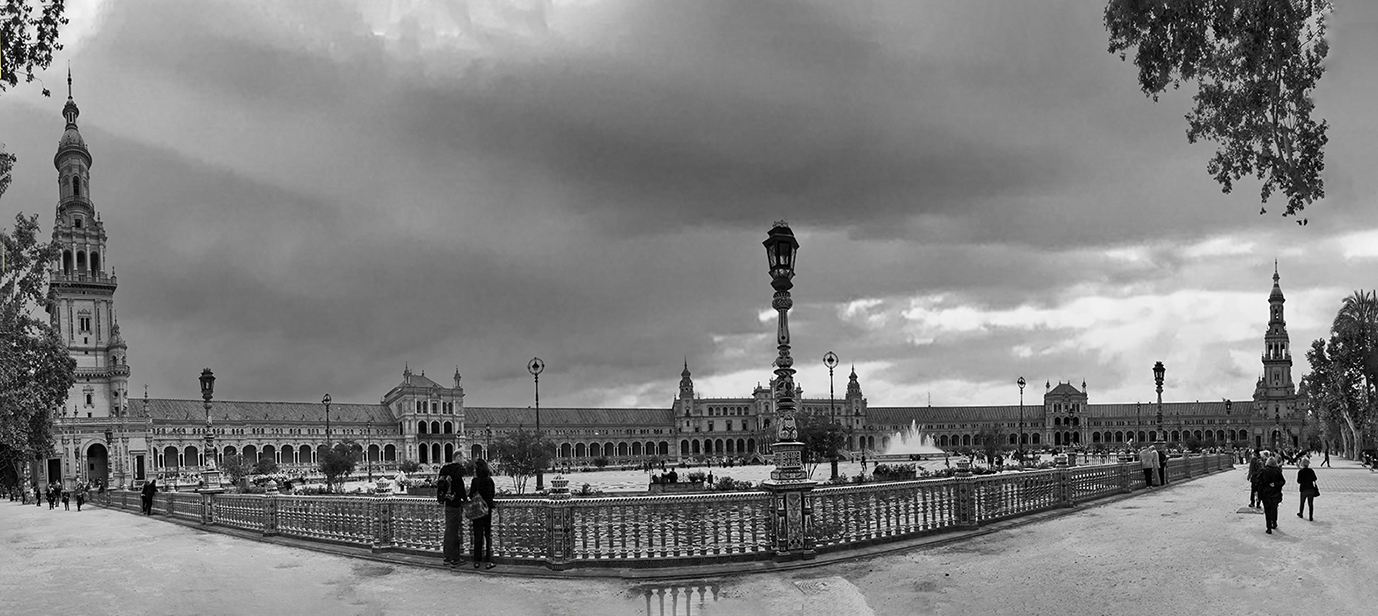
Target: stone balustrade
669, 530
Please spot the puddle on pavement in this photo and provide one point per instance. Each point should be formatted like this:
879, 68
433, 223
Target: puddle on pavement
704, 597
371, 570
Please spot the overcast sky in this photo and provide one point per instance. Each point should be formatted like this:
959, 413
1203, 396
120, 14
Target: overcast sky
306, 197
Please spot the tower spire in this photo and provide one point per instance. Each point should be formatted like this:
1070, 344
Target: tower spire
69, 80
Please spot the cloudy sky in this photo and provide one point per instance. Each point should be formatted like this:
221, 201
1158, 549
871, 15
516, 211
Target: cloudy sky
308, 196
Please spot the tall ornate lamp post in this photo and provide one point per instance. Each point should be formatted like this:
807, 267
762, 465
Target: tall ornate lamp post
830, 360
326, 401
535, 367
368, 448
110, 455
488, 444
1021, 383
789, 484
1158, 371
210, 476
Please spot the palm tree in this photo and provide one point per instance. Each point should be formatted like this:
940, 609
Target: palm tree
1358, 320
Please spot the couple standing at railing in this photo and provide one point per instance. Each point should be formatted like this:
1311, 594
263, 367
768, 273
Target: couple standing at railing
475, 505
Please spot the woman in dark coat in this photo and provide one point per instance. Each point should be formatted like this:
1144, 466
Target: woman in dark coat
1306, 480
149, 490
483, 487
1255, 464
1269, 484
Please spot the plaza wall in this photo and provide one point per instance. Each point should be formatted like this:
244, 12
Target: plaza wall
670, 530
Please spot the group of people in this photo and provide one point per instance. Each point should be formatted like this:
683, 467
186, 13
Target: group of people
1153, 462
54, 493
457, 500
1266, 481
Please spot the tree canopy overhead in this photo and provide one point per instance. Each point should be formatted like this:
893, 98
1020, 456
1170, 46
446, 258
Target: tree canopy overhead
28, 38
1256, 63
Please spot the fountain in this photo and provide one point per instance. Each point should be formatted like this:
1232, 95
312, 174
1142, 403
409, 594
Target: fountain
911, 444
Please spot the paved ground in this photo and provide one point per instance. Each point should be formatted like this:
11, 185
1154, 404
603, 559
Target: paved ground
1182, 549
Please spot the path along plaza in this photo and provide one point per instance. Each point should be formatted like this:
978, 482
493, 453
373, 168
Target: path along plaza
1187, 548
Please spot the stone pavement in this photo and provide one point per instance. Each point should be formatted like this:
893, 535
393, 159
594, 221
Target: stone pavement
1180, 549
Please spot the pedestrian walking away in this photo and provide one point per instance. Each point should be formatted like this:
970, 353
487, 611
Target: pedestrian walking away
1326, 461
1255, 465
1306, 481
148, 491
450, 492
1269, 483
483, 488
81, 495
1162, 466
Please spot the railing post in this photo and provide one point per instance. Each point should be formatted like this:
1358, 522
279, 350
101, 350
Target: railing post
270, 509
1125, 474
1063, 475
964, 490
791, 503
1186, 465
207, 503
559, 519
381, 506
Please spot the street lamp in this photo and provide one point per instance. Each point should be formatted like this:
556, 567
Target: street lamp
535, 367
210, 476
781, 248
109, 454
830, 360
368, 448
1158, 371
1021, 383
326, 401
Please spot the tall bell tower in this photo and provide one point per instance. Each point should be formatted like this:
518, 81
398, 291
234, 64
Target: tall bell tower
84, 286
1275, 395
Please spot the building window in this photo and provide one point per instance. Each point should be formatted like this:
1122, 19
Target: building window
88, 399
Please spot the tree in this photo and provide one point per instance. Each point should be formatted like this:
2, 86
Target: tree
991, 440
409, 466
36, 371
338, 462
823, 440
235, 468
520, 454
1255, 63
29, 39
265, 466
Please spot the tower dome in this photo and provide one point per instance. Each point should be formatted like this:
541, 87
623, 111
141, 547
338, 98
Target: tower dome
71, 141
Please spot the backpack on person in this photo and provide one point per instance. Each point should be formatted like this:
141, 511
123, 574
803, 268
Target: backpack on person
444, 489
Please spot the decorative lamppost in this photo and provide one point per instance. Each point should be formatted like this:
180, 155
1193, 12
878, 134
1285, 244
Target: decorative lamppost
830, 360
326, 401
488, 447
1158, 371
1021, 383
109, 454
368, 448
535, 367
789, 483
210, 476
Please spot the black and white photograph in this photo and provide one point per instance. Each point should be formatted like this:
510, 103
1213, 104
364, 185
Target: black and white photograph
678, 307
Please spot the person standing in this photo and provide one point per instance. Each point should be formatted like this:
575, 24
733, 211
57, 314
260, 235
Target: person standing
150, 488
1269, 483
1148, 461
37, 496
81, 495
450, 492
1255, 465
483, 488
66, 498
1306, 481
1162, 466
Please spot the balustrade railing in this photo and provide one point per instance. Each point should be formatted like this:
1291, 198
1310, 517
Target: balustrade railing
667, 530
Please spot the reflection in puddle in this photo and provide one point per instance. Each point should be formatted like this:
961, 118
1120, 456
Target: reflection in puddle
685, 599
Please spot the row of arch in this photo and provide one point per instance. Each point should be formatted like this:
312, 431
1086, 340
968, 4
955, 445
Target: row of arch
67, 264
435, 427
191, 455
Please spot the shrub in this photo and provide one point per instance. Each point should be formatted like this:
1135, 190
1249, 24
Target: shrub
894, 472
409, 466
600, 461
698, 476
727, 484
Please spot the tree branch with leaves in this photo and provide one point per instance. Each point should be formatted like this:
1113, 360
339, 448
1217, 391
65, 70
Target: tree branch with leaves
1256, 63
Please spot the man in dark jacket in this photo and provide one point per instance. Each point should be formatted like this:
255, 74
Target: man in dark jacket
1255, 465
150, 488
1269, 484
450, 491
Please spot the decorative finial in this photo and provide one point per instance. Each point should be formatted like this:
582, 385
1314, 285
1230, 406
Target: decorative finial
781, 223
69, 80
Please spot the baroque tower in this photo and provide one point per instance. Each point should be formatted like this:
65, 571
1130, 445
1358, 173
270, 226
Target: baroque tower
1275, 394
83, 312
